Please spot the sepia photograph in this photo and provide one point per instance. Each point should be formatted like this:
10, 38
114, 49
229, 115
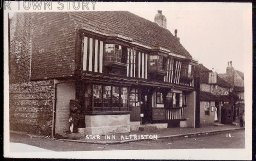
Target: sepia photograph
133, 80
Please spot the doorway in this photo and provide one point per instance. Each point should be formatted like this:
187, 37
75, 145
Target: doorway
65, 92
146, 105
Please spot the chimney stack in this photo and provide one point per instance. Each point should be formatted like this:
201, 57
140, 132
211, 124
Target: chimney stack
229, 69
175, 32
160, 19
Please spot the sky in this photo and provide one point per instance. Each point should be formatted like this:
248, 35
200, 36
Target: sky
213, 33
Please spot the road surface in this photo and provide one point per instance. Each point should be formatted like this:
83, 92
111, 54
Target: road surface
233, 139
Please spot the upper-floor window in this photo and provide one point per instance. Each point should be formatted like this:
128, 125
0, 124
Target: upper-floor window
212, 78
184, 70
158, 62
113, 53
115, 59
189, 70
157, 67
137, 63
153, 60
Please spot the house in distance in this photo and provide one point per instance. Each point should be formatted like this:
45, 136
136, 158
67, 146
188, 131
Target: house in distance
101, 71
216, 98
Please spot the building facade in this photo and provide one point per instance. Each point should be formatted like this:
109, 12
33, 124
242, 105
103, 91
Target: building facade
215, 97
236, 80
105, 72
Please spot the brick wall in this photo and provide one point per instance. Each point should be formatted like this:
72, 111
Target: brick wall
20, 49
54, 37
48, 39
31, 106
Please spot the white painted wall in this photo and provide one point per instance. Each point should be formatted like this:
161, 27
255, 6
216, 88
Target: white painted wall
65, 92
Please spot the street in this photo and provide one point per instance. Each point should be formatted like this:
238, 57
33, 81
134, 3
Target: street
233, 139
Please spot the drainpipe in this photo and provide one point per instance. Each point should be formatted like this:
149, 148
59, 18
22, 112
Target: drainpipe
54, 108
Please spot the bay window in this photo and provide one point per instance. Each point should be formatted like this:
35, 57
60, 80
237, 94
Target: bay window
115, 58
115, 98
106, 98
124, 98
113, 53
97, 96
157, 62
157, 67
134, 98
153, 60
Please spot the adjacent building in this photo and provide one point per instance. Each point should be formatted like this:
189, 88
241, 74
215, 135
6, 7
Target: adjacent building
236, 79
216, 99
112, 69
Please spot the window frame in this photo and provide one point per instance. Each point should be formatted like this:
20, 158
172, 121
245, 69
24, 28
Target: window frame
207, 109
106, 108
162, 99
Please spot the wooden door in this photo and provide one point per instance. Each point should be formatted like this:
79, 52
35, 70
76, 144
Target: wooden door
146, 99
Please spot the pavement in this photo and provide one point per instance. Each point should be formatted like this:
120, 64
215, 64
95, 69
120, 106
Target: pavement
153, 134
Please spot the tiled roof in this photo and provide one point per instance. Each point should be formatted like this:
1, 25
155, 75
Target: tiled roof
54, 37
222, 83
241, 74
203, 68
229, 79
223, 75
204, 77
238, 89
129, 25
204, 74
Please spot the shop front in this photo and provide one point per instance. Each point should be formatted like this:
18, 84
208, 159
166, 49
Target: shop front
111, 107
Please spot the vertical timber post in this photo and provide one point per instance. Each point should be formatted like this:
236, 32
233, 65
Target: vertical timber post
197, 89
